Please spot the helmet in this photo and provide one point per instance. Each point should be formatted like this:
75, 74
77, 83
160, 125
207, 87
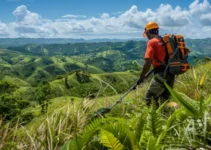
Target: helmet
150, 26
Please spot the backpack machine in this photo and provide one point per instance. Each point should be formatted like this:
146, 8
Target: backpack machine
177, 54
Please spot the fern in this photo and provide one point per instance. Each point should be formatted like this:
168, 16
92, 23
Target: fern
151, 145
110, 141
144, 139
95, 124
91, 131
154, 122
121, 129
91, 137
152, 129
140, 124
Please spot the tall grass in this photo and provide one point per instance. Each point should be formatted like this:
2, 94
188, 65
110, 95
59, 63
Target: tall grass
62, 125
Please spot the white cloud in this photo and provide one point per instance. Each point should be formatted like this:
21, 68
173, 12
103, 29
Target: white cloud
205, 19
167, 16
24, 16
73, 16
198, 8
4, 31
128, 24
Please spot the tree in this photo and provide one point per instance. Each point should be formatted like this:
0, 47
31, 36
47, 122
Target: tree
42, 94
6, 87
10, 106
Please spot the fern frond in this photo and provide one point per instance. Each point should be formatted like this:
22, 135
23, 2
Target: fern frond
161, 107
140, 124
154, 122
94, 125
110, 141
120, 128
151, 145
153, 128
81, 140
144, 139
91, 130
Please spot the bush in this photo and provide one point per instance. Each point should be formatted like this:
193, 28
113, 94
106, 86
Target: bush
10, 106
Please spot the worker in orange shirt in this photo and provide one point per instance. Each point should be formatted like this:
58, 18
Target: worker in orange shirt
155, 55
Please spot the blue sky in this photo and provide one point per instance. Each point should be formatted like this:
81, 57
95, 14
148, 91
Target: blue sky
90, 19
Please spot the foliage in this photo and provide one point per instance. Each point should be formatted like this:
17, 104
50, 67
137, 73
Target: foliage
110, 141
6, 87
10, 105
42, 95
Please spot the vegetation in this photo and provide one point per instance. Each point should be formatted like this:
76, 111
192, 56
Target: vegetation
49, 101
130, 125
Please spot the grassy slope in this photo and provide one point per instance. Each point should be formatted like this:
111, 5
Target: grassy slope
190, 84
126, 80
36, 68
196, 81
61, 109
111, 83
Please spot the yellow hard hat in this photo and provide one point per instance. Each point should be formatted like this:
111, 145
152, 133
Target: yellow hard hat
150, 26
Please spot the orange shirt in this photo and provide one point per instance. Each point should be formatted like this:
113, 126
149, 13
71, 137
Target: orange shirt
156, 51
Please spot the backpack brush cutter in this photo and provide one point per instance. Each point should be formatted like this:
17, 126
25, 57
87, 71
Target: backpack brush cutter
102, 111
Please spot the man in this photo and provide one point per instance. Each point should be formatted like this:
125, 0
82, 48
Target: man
155, 55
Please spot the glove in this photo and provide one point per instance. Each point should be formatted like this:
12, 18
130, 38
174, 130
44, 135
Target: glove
140, 80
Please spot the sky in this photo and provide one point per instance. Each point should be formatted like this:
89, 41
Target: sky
91, 19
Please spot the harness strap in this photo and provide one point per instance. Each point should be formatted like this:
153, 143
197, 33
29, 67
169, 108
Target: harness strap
168, 64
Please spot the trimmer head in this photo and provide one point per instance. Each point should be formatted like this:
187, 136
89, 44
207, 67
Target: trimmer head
101, 112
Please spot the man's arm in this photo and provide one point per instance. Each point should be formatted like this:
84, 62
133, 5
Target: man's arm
146, 67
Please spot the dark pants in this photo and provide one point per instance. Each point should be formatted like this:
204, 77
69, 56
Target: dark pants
157, 90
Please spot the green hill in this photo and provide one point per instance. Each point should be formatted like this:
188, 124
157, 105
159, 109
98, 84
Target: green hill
91, 85
34, 69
